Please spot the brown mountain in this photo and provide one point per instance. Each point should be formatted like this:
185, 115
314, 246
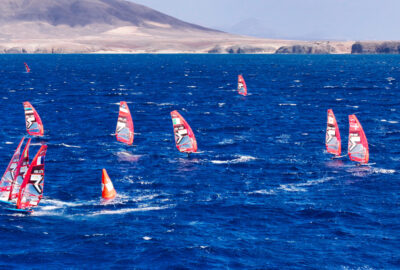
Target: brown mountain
76, 26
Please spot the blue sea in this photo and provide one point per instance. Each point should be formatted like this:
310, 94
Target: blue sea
261, 193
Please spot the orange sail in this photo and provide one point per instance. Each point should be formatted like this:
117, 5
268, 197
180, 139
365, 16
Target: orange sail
358, 144
33, 122
31, 191
124, 131
108, 191
27, 68
332, 137
242, 88
184, 136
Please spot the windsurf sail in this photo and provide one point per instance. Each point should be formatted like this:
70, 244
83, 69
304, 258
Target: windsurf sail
31, 191
22, 168
33, 122
358, 144
124, 131
184, 136
27, 68
332, 137
7, 180
242, 88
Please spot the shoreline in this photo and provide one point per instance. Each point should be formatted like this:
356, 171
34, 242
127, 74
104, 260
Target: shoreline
216, 46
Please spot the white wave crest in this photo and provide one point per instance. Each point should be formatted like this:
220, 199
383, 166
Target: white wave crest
239, 159
300, 187
69, 146
292, 188
128, 210
389, 121
262, 192
55, 204
383, 171
284, 138
226, 142
159, 104
126, 156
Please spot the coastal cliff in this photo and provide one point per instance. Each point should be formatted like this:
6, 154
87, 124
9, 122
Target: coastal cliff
385, 47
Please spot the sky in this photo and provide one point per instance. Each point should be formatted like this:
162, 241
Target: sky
291, 19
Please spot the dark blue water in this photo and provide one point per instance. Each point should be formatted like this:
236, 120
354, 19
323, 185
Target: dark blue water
262, 193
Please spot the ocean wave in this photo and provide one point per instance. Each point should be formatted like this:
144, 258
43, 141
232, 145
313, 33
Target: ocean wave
292, 188
160, 104
226, 142
389, 121
129, 210
69, 146
383, 171
287, 104
283, 138
239, 159
262, 192
36, 144
55, 204
126, 156
300, 187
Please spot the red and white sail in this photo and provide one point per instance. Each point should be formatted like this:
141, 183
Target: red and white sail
184, 136
125, 130
358, 144
27, 68
332, 137
22, 168
242, 88
7, 180
33, 122
31, 191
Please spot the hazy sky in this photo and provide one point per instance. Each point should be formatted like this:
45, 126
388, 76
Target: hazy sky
296, 19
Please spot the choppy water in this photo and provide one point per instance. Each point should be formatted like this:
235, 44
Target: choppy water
261, 193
